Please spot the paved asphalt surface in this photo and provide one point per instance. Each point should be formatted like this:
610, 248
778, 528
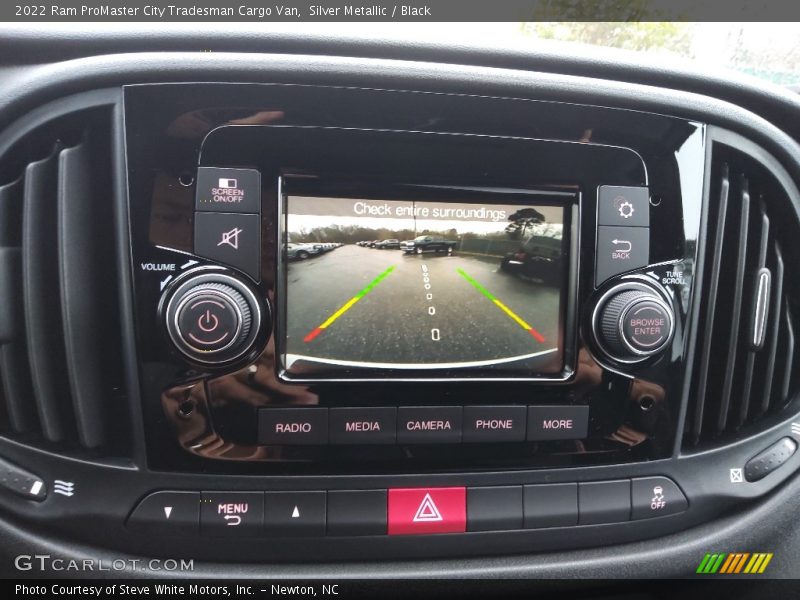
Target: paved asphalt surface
393, 323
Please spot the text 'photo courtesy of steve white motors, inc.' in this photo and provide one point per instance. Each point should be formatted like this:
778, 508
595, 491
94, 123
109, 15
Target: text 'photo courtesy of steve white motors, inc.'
141, 590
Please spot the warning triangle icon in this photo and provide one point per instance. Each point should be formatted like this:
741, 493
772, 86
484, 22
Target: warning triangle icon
427, 511
295, 513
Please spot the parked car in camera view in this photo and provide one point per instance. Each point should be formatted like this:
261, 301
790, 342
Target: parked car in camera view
428, 243
539, 259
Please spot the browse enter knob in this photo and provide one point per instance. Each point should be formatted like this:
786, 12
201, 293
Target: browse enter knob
634, 324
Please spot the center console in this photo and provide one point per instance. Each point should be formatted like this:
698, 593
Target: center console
405, 330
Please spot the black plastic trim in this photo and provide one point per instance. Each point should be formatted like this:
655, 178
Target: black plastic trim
80, 293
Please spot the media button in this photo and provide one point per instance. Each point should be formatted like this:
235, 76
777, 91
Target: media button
288, 514
494, 423
557, 422
228, 514
301, 426
429, 424
623, 206
621, 249
370, 425
427, 510
228, 190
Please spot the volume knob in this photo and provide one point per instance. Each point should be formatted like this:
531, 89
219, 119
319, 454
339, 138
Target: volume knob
212, 319
633, 324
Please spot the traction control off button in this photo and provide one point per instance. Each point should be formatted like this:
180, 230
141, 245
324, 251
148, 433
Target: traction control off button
656, 497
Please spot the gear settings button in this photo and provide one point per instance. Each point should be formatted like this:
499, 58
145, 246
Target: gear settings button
623, 206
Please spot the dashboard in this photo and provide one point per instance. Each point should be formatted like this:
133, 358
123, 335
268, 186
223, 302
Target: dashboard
394, 310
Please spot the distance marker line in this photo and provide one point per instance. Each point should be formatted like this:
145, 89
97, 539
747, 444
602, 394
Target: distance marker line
514, 316
348, 305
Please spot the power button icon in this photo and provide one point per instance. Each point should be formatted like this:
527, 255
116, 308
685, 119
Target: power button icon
211, 322
208, 321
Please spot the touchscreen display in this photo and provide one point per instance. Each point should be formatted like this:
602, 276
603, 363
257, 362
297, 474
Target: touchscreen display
393, 285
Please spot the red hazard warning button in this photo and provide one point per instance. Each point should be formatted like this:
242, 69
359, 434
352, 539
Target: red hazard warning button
427, 510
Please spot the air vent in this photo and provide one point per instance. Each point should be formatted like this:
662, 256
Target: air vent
747, 337
60, 350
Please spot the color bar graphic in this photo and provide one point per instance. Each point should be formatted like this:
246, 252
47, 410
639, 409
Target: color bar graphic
348, 305
514, 316
731, 564
711, 563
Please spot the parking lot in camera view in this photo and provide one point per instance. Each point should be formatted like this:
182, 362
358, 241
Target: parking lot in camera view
365, 305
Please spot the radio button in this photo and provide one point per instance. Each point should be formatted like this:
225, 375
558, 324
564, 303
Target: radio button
494, 423
293, 426
372, 425
228, 190
429, 424
557, 422
623, 206
620, 249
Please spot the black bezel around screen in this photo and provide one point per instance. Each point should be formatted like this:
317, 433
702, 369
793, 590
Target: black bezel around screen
565, 198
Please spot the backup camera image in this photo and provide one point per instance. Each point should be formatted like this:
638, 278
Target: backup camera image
396, 284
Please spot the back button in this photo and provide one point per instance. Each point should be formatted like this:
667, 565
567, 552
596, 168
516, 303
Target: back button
167, 513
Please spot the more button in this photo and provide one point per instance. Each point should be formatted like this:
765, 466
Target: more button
557, 422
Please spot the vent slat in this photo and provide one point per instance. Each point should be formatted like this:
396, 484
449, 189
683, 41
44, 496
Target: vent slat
713, 288
771, 346
40, 276
10, 260
736, 312
13, 360
16, 387
747, 382
788, 356
81, 291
